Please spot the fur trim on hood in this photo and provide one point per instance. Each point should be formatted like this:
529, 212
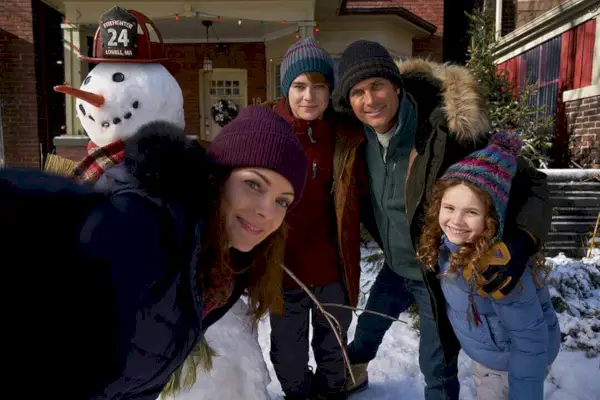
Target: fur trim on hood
462, 98
453, 88
166, 162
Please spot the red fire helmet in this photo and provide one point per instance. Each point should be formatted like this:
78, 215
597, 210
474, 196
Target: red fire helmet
127, 36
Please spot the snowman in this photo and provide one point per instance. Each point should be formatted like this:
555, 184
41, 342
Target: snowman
129, 87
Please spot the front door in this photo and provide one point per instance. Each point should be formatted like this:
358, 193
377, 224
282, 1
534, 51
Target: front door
222, 84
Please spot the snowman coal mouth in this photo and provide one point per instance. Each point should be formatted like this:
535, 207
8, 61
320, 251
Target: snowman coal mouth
117, 120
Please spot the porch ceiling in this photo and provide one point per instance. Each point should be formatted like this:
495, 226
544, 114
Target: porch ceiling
90, 11
190, 29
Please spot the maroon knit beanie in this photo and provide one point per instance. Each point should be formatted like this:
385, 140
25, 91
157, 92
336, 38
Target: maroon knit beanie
259, 137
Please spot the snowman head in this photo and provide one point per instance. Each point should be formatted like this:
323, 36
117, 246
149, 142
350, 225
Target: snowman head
116, 99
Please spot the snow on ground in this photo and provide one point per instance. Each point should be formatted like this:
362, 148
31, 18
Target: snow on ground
574, 376
238, 370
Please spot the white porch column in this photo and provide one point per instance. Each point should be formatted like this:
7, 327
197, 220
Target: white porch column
74, 43
306, 29
498, 19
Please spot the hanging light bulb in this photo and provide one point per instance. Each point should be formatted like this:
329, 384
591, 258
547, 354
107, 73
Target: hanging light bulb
239, 21
207, 63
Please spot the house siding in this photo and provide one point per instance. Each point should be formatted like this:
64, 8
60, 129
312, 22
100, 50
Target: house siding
575, 72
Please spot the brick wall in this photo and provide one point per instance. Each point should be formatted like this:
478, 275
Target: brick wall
18, 84
430, 10
583, 125
250, 56
528, 10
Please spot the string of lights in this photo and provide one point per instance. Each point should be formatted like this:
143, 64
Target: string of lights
215, 17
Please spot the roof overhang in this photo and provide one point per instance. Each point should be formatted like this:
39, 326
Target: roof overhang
397, 11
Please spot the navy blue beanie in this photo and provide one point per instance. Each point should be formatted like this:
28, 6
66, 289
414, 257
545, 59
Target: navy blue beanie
305, 56
364, 59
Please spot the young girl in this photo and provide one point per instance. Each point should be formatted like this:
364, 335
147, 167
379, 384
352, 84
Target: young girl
512, 340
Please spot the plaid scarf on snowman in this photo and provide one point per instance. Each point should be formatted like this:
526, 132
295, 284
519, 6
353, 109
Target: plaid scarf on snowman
98, 160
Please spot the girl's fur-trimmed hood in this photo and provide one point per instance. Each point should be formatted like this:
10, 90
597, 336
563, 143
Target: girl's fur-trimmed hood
453, 88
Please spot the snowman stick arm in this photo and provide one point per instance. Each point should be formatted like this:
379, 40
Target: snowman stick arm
327, 316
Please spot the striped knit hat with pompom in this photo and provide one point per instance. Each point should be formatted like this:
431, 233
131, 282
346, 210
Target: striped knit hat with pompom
491, 169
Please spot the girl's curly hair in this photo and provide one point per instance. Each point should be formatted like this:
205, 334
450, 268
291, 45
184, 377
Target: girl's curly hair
431, 238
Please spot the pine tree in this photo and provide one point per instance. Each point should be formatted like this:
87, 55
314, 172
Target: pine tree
508, 107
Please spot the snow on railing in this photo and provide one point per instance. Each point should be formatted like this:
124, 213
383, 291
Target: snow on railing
571, 174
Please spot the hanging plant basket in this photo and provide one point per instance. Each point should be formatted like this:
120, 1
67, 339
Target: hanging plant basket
224, 111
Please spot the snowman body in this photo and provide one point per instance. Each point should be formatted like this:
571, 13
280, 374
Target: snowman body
239, 370
134, 95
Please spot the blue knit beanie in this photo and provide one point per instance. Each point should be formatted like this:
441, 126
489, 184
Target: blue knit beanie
305, 56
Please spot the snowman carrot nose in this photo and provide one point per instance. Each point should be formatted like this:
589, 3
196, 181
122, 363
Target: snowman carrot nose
94, 99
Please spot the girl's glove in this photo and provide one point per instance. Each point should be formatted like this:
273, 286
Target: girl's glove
501, 268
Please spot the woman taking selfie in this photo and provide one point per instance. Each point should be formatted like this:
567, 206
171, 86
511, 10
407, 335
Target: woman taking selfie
145, 267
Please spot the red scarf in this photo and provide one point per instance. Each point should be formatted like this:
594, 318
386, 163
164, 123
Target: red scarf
98, 160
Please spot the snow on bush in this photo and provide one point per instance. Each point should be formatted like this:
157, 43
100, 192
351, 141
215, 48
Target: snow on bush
575, 289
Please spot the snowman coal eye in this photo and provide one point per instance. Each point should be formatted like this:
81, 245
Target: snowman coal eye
118, 77
87, 80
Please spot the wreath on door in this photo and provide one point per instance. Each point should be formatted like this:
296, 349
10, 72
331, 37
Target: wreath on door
224, 111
